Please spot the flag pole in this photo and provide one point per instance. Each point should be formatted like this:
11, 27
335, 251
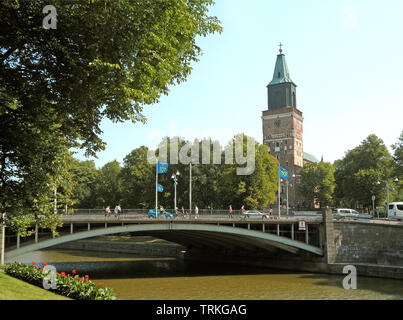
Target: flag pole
156, 188
190, 189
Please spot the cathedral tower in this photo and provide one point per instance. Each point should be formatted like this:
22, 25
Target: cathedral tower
283, 126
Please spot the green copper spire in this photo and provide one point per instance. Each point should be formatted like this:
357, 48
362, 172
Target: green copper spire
281, 74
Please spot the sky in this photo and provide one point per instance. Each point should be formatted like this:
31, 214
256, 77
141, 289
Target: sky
344, 56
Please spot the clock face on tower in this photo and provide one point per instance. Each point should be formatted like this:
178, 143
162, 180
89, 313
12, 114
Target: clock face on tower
277, 123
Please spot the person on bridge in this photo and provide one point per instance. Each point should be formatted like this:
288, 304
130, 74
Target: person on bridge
116, 212
230, 211
196, 212
108, 211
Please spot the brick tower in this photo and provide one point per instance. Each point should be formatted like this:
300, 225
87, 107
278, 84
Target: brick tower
283, 127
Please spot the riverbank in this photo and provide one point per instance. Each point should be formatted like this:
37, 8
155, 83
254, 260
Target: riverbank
15, 289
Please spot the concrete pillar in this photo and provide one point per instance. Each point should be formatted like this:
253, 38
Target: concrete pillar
278, 229
2, 239
18, 241
292, 232
264, 227
329, 245
89, 227
306, 233
71, 228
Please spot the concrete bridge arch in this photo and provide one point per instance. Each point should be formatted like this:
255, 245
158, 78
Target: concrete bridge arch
211, 236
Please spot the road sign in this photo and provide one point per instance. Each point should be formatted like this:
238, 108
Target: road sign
301, 225
373, 198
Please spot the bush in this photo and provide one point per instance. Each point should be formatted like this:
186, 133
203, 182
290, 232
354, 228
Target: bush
73, 286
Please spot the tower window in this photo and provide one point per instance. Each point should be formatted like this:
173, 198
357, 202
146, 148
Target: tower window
279, 75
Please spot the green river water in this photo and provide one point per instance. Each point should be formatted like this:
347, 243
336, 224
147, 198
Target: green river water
134, 277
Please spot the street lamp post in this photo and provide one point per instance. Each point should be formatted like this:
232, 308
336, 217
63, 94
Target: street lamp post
175, 179
286, 183
387, 192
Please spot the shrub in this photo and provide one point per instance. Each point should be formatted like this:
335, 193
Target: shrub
73, 286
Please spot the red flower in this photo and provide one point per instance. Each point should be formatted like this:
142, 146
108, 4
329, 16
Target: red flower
35, 266
63, 273
7, 262
65, 276
45, 263
100, 284
74, 271
42, 269
33, 262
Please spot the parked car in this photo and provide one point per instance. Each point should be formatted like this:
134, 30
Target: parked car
152, 214
395, 210
254, 214
345, 213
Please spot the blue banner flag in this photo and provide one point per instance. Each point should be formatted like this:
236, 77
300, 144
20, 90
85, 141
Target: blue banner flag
162, 167
283, 173
160, 188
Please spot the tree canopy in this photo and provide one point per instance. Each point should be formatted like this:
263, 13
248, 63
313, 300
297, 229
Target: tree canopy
105, 59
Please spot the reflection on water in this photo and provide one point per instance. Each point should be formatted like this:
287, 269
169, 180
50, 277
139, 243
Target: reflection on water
135, 277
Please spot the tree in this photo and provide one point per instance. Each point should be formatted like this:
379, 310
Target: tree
109, 186
398, 167
86, 177
317, 183
138, 180
105, 59
254, 191
358, 173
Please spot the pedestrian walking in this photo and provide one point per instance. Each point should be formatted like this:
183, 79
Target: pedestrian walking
243, 209
162, 210
119, 209
108, 211
271, 211
115, 212
230, 211
196, 212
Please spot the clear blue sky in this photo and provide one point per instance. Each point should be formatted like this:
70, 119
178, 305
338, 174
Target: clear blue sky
345, 57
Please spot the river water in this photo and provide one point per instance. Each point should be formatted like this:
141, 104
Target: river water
134, 277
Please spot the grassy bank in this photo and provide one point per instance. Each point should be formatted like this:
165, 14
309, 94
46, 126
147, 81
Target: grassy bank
15, 289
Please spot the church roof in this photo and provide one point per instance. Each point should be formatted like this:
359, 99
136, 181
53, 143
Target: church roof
281, 73
310, 158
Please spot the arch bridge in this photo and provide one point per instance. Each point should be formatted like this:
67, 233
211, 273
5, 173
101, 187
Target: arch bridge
204, 233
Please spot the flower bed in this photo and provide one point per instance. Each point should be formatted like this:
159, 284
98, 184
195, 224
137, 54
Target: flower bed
72, 286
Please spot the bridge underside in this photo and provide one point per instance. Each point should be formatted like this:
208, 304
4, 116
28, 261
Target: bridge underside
200, 236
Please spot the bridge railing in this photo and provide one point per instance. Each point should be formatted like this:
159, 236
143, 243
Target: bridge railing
144, 212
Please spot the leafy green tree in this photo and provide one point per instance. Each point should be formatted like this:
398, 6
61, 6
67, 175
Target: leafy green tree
254, 191
108, 190
358, 173
398, 168
138, 180
85, 184
106, 58
317, 183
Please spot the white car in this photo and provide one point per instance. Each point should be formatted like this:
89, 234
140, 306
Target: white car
254, 214
395, 210
345, 213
